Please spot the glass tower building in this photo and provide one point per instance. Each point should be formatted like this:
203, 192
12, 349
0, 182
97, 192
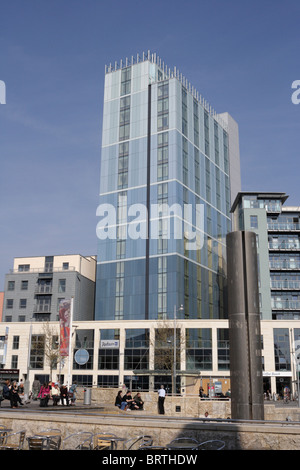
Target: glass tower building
169, 171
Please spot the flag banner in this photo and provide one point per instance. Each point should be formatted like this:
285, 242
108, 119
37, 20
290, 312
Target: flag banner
64, 326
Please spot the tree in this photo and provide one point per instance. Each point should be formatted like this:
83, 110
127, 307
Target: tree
51, 346
164, 357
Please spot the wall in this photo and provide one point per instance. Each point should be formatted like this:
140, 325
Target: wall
280, 436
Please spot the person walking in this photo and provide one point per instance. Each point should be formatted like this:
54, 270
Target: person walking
161, 400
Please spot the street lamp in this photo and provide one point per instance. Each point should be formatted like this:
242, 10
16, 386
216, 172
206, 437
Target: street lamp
174, 362
27, 381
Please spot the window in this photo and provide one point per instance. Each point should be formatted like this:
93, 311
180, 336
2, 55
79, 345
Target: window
23, 267
14, 362
124, 129
199, 349
282, 349
108, 381
108, 359
253, 221
126, 81
16, 341
24, 285
83, 380
66, 266
43, 304
223, 349
23, 303
37, 352
61, 285
48, 264
163, 106
136, 354
9, 303
11, 285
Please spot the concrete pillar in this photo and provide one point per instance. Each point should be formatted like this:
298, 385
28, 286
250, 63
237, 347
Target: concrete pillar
244, 327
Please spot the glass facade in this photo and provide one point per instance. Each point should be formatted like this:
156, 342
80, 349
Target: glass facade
160, 146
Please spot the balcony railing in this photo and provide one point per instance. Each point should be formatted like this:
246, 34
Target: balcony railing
42, 308
285, 264
284, 246
283, 227
41, 289
285, 304
287, 285
42, 270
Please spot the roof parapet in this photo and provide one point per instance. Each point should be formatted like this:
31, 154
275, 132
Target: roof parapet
167, 73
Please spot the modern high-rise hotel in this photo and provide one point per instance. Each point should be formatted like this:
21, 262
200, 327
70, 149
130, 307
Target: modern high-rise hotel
169, 171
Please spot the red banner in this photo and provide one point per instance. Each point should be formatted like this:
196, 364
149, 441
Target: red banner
64, 326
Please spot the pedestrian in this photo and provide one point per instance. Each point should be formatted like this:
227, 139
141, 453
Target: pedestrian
36, 386
44, 395
161, 400
72, 393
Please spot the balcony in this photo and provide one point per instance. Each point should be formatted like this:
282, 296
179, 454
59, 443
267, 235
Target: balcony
285, 285
281, 227
285, 265
43, 289
42, 308
285, 304
284, 246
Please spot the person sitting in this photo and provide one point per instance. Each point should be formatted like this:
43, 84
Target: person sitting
130, 403
64, 395
138, 400
55, 394
44, 395
118, 400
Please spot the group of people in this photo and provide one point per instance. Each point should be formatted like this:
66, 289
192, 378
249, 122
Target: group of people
126, 402
59, 394
15, 392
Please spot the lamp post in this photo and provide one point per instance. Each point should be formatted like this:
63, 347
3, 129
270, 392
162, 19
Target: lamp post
27, 381
174, 361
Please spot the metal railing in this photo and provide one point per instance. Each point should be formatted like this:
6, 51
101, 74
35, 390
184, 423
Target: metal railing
285, 304
285, 264
283, 226
284, 284
42, 270
284, 246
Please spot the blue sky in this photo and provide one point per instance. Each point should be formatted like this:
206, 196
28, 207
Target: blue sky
241, 56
